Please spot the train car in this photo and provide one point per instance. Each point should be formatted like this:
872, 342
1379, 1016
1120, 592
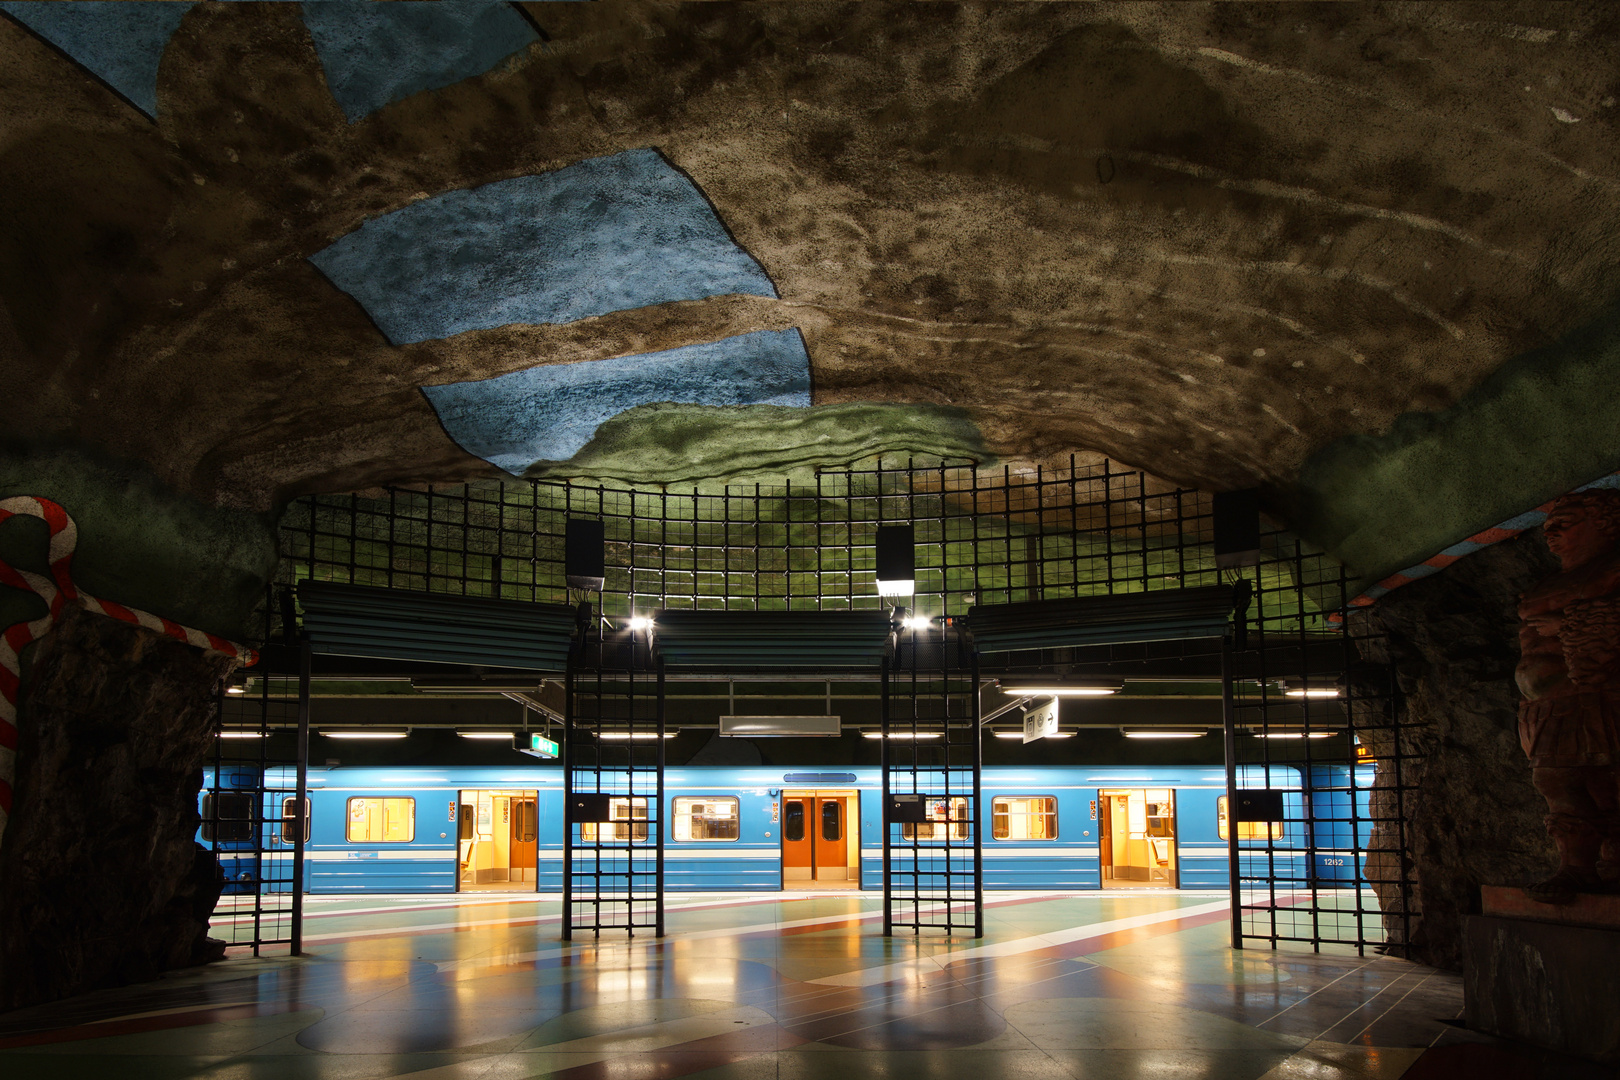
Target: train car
1069, 828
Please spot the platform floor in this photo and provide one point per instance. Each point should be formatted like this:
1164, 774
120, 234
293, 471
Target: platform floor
1139, 985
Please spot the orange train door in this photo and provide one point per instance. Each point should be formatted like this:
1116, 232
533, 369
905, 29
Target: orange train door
820, 839
798, 838
524, 839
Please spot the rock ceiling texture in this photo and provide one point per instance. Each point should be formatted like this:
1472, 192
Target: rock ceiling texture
1203, 240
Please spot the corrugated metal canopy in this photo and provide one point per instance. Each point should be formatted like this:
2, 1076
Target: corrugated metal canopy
396, 624
1166, 615
772, 640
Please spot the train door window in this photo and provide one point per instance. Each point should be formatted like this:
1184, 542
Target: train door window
628, 821
524, 826
1247, 830
831, 823
389, 820
464, 822
793, 821
289, 821
1024, 817
712, 818
947, 819
227, 815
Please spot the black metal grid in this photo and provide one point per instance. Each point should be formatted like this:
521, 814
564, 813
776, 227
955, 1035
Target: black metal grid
613, 872
933, 872
1344, 832
250, 823
982, 536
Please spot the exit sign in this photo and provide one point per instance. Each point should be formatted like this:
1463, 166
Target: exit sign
542, 746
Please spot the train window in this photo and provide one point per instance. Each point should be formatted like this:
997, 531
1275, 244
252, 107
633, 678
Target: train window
793, 821
1024, 817
289, 821
706, 819
831, 824
1247, 830
524, 827
628, 818
947, 820
465, 821
227, 815
381, 820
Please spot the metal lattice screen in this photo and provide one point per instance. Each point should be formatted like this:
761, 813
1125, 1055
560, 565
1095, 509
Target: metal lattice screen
613, 765
250, 822
982, 537
1317, 722
933, 866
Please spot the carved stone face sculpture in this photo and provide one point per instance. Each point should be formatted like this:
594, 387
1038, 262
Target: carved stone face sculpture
1569, 672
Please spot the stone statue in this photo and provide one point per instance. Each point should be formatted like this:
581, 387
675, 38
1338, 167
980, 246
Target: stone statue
1569, 674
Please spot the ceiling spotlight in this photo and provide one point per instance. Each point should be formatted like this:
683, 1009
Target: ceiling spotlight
915, 623
896, 560
1020, 735
491, 735
639, 624
366, 733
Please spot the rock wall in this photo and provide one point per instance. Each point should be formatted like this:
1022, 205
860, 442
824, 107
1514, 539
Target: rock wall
101, 880
1471, 814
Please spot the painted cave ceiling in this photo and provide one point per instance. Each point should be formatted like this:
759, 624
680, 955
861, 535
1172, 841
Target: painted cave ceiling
1362, 256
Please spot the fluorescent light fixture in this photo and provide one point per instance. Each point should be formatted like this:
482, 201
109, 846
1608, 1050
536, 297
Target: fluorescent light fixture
904, 735
638, 736
491, 735
236, 689
1295, 734
1020, 735
1312, 691
366, 733
917, 622
1162, 733
639, 624
241, 735
1089, 688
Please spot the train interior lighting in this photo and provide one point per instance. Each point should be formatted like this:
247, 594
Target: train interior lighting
1137, 827
497, 840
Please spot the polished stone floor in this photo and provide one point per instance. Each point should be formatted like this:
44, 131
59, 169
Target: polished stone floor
1138, 985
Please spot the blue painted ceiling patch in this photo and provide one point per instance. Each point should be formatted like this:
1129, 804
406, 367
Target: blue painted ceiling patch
549, 413
120, 43
606, 234
377, 53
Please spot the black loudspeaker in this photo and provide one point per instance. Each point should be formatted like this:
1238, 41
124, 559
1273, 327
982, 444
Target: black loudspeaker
1259, 805
586, 555
1237, 528
896, 553
593, 808
907, 809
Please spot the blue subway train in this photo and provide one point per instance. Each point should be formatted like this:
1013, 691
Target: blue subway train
500, 829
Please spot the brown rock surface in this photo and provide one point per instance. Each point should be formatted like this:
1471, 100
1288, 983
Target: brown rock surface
101, 880
1472, 816
1204, 240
